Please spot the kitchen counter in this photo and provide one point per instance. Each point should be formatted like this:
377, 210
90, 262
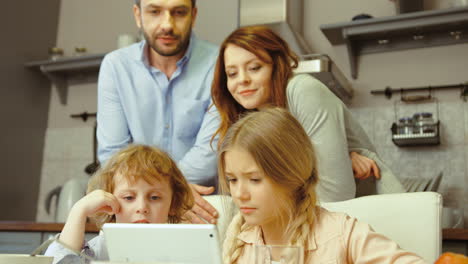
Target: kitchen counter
22, 237
20, 226
455, 234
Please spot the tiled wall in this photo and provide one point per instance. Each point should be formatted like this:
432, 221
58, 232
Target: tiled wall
67, 152
450, 157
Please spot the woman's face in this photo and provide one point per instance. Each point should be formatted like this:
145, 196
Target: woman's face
248, 77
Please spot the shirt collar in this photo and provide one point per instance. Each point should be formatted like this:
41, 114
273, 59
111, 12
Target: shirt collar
253, 235
143, 52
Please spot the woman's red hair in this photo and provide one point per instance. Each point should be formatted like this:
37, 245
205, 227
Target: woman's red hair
268, 47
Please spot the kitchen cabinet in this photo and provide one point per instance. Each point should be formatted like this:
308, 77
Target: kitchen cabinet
405, 31
19, 242
455, 240
24, 237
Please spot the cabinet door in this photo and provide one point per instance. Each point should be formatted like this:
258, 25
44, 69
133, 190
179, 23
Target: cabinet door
19, 242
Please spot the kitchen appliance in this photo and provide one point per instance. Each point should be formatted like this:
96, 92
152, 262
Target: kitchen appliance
322, 67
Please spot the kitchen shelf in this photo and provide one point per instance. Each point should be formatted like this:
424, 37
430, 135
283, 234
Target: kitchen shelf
405, 31
422, 139
60, 70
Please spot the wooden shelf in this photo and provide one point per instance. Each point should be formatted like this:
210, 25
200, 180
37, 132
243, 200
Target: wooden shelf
455, 234
59, 71
39, 227
405, 31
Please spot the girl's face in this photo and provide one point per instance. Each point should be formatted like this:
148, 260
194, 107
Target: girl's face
141, 202
252, 191
248, 77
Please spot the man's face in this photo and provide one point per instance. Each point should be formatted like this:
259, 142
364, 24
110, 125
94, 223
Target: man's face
166, 24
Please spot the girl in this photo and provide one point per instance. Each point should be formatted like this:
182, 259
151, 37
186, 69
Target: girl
140, 184
255, 69
268, 165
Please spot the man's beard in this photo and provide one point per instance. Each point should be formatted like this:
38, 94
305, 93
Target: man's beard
181, 45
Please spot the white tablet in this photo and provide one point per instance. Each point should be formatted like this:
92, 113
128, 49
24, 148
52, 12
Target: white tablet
167, 243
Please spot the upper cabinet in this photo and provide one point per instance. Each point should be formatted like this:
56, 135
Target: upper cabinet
405, 31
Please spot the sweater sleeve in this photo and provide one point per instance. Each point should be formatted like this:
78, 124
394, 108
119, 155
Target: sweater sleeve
321, 114
94, 249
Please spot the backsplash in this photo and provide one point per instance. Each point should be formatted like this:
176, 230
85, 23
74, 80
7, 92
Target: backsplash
68, 151
450, 157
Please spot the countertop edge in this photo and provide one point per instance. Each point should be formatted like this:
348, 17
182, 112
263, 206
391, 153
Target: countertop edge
39, 227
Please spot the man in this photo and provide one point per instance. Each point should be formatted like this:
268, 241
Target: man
157, 92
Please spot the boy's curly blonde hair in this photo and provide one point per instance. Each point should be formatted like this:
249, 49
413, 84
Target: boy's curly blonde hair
150, 164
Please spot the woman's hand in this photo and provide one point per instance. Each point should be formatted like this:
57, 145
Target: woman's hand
363, 167
97, 201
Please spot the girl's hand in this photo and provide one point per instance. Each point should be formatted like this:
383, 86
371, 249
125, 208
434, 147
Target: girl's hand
363, 167
97, 201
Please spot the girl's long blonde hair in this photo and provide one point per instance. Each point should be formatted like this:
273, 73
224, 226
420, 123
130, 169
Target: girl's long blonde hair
282, 149
150, 164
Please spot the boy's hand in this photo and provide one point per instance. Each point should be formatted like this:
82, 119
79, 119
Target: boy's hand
98, 201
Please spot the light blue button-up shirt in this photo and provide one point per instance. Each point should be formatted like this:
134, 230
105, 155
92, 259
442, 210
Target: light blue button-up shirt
138, 103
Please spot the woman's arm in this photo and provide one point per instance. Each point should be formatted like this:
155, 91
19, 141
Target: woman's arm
321, 114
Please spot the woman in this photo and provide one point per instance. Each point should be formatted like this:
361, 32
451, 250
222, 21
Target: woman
255, 70
267, 164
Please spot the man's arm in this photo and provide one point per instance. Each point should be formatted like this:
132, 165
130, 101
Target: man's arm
199, 166
112, 128
199, 163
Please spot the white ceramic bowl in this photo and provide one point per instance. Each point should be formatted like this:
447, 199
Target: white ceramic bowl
24, 259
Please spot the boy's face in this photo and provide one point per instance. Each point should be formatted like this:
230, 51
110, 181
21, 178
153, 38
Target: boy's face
141, 202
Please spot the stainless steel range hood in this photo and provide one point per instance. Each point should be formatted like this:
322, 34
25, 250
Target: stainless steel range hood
285, 17
323, 68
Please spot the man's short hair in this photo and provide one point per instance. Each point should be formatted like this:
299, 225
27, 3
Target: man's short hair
137, 2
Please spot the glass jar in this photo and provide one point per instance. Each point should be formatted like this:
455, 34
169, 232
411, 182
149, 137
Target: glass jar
55, 53
405, 126
424, 123
79, 51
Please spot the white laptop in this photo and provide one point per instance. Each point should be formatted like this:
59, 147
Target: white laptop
163, 243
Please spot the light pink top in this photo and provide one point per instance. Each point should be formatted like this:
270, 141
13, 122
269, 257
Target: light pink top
337, 238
